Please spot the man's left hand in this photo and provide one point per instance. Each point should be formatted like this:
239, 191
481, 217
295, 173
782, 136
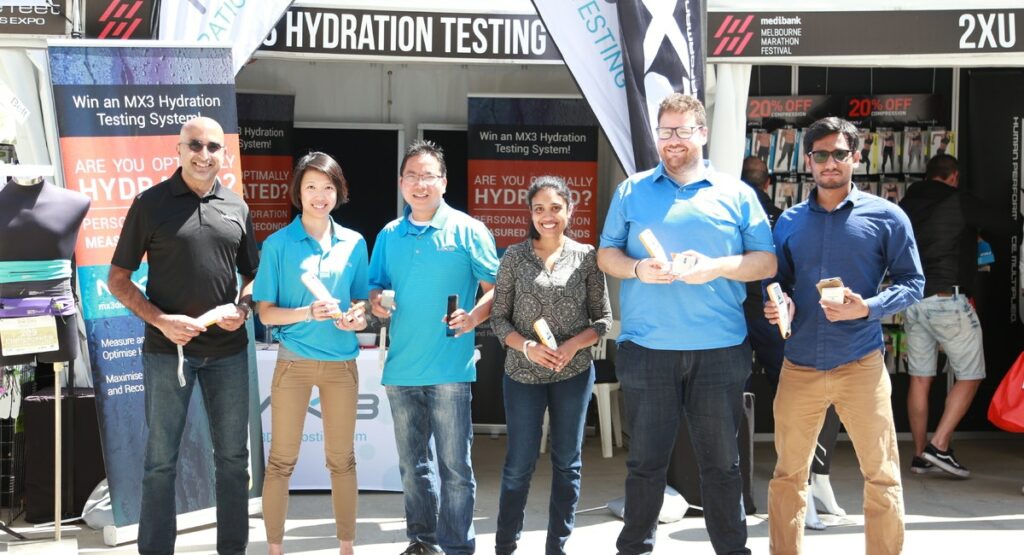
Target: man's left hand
461, 321
705, 269
853, 307
234, 321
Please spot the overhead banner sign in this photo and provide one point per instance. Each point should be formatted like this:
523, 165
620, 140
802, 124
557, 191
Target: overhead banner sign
764, 36
119, 19
514, 140
265, 128
119, 112
47, 19
372, 33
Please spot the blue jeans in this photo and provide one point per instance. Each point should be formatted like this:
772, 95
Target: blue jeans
224, 383
525, 404
657, 386
436, 419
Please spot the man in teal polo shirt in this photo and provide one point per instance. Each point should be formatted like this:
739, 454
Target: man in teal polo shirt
432, 252
683, 343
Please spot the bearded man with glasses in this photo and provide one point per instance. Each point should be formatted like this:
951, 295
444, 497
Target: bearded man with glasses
835, 353
683, 344
198, 236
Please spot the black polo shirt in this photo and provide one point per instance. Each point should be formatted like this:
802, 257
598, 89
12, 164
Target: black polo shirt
194, 247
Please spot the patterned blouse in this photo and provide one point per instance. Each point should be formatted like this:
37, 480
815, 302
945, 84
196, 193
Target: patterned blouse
571, 297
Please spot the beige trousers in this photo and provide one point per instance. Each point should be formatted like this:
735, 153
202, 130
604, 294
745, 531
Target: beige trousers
861, 392
338, 383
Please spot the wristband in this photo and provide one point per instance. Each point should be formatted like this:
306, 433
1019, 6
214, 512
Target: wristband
309, 313
636, 267
526, 349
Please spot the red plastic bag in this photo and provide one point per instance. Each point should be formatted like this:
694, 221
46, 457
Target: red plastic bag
1006, 410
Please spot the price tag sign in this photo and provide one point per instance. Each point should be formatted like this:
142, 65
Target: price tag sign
23, 336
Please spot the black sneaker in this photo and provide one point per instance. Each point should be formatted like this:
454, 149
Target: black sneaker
945, 461
417, 548
921, 466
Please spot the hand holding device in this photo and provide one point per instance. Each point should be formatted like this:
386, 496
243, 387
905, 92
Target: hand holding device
453, 305
776, 295
320, 292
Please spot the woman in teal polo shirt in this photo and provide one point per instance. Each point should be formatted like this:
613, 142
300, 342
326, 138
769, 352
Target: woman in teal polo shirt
317, 340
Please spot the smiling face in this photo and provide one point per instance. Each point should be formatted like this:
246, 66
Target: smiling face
318, 194
681, 156
550, 213
832, 174
200, 169
422, 196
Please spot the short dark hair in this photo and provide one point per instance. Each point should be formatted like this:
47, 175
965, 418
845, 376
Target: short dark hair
680, 103
941, 166
556, 184
830, 126
755, 171
420, 147
324, 164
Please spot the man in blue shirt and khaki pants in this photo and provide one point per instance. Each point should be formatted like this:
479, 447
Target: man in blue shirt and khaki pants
834, 355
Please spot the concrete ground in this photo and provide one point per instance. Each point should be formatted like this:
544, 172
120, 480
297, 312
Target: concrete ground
944, 515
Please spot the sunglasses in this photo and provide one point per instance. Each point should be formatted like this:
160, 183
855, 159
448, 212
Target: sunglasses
821, 156
195, 145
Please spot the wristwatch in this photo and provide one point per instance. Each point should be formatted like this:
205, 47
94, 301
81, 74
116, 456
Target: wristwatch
247, 306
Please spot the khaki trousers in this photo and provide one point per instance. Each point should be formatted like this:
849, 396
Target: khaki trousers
861, 392
338, 383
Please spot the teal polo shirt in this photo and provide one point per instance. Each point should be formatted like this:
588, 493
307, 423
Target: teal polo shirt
717, 215
291, 252
450, 256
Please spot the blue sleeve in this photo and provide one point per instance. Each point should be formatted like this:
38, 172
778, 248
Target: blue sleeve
360, 281
616, 229
265, 288
904, 266
756, 229
483, 255
785, 272
377, 273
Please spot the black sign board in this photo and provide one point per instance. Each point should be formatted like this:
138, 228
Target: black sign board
34, 20
776, 35
119, 19
390, 34
887, 109
799, 111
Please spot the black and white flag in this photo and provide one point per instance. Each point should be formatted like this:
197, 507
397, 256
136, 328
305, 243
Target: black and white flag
626, 56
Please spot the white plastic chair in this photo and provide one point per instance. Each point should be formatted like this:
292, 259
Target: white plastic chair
608, 414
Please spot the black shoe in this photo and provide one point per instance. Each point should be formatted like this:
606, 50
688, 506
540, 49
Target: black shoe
945, 460
417, 548
921, 466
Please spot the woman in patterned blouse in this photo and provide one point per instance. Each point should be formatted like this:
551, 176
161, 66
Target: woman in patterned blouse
547, 276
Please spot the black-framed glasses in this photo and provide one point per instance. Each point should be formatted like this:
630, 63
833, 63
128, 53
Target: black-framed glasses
683, 131
821, 156
427, 179
195, 145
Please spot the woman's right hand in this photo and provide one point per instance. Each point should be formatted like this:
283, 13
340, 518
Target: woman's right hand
324, 310
544, 356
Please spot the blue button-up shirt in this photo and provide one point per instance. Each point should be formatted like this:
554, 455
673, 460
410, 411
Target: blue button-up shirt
424, 265
859, 241
717, 215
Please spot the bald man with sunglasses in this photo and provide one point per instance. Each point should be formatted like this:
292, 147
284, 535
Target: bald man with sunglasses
834, 355
197, 235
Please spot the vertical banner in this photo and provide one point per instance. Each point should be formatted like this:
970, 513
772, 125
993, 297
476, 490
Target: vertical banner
265, 129
512, 141
119, 112
663, 45
625, 57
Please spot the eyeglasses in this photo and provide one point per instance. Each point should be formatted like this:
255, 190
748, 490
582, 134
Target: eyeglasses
427, 179
821, 156
195, 145
683, 132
